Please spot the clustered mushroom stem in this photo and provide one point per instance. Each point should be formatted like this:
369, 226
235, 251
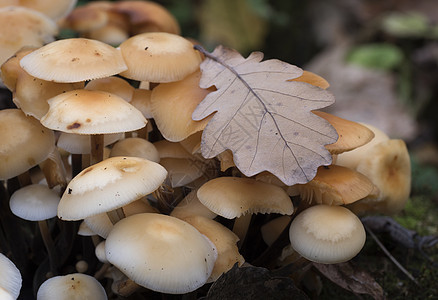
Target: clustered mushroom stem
24, 179
143, 133
48, 243
97, 146
116, 215
240, 227
126, 287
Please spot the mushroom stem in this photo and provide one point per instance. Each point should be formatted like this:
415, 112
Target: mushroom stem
143, 133
48, 243
116, 215
126, 287
97, 145
24, 179
240, 227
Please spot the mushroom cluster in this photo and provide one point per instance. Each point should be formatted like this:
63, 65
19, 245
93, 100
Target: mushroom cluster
105, 136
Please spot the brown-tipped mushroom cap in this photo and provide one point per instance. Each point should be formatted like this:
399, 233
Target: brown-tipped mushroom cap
161, 253
351, 159
351, 134
75, 286
23, 27
73, 60
25, 143
327, 234
313, 79
388, 166
335, 185
10, 279
92, 112
109, 185
159, 57
225, 241
172, 105
232, 197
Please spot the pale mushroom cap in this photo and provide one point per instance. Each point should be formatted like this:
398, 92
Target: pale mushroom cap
141, 99
351, 159
161, 253
73, 60
135, 147
225, 241
335, 185
35, 202
172, 105
108, 185
168, 149
100, 252
31, 94
80, 143
232, 197
54, 10
25, 143
101, 225
159, 57
10, 278
388, 166
148, 15
75, 286
92, 112
351, 134
327, 234
191, 206
11, 69
113, 85
183, 171
23, 27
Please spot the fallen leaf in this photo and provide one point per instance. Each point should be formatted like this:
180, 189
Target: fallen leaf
349, 277
265, 120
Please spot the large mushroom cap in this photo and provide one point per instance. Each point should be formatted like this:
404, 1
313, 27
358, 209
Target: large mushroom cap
327, 234
75, 286
159, 57
92, 112
161, 253
73, 60
109, 185
232, 197
25, 143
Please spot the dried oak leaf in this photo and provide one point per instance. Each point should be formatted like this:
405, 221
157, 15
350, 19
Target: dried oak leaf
265, 120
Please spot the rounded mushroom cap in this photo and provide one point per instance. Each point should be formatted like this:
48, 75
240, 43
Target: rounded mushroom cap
327, 234
135, 147
161, 253
73, 60
351, 159
191, 206
10, 279
232, 197
388, 166
49, 8
108, 185
92, 112
114, 85
335, 185
23, 27
25, 143
35, 202
159, 57
172, 105
75, 286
